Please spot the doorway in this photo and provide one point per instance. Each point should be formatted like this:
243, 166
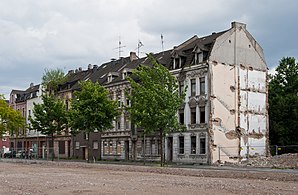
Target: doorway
170, 149
126, 150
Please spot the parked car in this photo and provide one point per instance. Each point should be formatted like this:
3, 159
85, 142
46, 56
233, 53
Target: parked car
9, 154
21, 154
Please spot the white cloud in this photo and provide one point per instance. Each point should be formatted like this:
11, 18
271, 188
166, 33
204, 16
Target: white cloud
46, 34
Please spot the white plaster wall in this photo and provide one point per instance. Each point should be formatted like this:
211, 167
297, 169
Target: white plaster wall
30, 106
236, 47
236, 53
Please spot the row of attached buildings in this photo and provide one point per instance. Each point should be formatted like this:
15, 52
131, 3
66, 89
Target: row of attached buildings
225, 108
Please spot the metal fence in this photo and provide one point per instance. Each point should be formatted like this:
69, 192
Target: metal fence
32, 153
278, 150
246, 152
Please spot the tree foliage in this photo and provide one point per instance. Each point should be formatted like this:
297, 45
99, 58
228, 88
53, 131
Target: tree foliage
50, 117
92, 110
283, 103
10, 119
155, 99
52, 78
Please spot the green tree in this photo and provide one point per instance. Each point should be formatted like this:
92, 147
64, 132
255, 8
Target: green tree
283, 103
91, 109
49, 118
52, 78
10, 119
155, 100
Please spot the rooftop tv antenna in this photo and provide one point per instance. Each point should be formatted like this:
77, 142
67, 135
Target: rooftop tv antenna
120, 46
140, 44
161, 38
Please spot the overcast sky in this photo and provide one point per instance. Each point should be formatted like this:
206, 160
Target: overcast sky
39, 34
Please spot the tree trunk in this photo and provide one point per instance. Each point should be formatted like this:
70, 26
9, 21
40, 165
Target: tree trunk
161, 148
52, 147
88, 145
99, 145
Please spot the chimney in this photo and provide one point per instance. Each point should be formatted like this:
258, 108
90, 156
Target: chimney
238, 25
133, 56
80, 69
89, 66
95, 66
31, 85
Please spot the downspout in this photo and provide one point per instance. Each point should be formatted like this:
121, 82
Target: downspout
267, 116
210, 133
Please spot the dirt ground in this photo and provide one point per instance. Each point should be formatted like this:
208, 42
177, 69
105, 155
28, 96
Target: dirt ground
29, 177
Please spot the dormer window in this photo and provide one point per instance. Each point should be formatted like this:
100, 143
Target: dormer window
124, 75
126, 72
199, 57
112, 76
176, 63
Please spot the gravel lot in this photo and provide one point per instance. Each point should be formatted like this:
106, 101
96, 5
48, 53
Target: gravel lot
41, 177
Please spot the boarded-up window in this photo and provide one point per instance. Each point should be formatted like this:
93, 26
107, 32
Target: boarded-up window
61, 147
77, 145
106, 148
119, 148
181, 145
95, 145
111, 148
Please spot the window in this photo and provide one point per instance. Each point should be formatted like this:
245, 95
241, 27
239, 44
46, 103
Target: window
202, 85
183, 60
77, 145
193, 115
86, 136
181, 87
23, 112
61, 147
111, 95
193, 87
193, 144
66, 105
202, 145
29, 111
181, 116
199, 57
119, 103
119, 148
181, 145
177, 63
111, 148
127, 102
95, 145
106, 148
110, 78
118, 123
202, 114
127, 123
